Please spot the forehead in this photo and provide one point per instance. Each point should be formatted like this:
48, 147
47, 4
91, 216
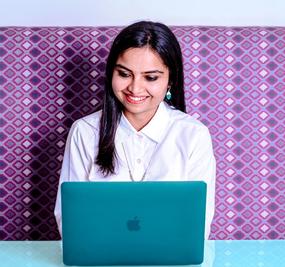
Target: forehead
143, 59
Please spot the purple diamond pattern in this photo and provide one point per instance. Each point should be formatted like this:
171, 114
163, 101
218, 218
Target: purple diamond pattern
235, 84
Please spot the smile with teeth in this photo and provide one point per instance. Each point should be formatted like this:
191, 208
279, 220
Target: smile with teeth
135, 99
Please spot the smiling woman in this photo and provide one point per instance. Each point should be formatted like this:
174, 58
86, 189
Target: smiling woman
140, 82
142, 133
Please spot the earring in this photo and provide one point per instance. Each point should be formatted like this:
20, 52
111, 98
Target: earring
168, 94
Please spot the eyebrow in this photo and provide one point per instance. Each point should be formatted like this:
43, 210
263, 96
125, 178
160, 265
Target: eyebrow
145, 72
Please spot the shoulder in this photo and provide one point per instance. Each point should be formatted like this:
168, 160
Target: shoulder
184, 121
87, 125
188, 130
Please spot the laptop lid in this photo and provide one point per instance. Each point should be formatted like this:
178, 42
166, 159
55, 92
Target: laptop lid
133, 223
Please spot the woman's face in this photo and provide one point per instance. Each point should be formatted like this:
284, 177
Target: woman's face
140, 81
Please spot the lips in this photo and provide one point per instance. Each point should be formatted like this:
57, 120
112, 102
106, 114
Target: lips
135, 99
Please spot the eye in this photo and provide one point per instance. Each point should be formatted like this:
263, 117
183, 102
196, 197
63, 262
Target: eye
123, 74
151, 78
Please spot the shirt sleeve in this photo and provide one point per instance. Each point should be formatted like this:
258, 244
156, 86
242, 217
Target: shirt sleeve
77, 162
202, 166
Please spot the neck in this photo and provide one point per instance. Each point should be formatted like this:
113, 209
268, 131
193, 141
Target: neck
139, 121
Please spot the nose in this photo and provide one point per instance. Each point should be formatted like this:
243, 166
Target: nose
135, 86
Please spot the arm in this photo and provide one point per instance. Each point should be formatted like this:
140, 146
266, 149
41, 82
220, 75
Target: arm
202, 166
77, 161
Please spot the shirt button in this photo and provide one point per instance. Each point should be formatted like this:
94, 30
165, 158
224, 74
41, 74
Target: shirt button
139, 161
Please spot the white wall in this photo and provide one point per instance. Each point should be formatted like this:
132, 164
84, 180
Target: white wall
122, 12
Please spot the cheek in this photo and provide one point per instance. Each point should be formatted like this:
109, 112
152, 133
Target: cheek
118, 84
159, 90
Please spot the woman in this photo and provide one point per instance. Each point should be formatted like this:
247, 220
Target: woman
143, 132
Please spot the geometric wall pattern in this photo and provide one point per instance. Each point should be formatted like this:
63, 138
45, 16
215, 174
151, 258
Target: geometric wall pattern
234, 83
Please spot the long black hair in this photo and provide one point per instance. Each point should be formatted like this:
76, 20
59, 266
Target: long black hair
161, 40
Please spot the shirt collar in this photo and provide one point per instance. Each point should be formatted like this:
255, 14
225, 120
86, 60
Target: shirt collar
155, 128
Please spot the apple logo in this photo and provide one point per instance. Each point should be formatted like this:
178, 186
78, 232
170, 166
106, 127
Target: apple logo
133, 224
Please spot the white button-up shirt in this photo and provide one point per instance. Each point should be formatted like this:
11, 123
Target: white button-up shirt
173, 146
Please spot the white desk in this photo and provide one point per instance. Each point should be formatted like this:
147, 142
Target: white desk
247, 253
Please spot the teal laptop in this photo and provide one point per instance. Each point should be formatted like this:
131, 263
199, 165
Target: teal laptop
133, 223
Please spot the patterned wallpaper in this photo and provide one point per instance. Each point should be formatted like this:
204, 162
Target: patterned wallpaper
235, 84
